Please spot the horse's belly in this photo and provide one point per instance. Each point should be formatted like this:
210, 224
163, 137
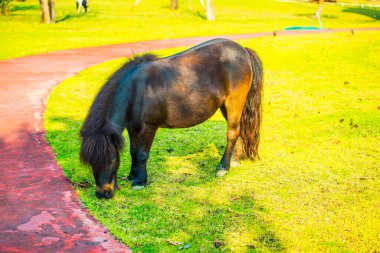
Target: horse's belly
186, 114
190, 120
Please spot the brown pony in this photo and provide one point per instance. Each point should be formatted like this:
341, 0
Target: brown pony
178, 91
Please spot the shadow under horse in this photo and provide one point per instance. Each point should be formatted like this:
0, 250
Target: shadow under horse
178, 91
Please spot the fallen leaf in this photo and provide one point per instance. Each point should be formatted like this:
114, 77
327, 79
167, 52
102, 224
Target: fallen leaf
233, 199
174, 243
83, 184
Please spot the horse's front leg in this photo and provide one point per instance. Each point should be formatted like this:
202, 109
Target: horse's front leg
133, 152
141, 141
78, 6
232, 136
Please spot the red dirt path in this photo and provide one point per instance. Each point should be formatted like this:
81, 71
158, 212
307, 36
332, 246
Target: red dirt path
39, 210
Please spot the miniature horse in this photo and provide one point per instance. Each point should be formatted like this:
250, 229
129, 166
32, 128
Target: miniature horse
178, 91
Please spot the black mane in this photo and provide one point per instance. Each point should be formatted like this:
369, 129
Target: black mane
97, 137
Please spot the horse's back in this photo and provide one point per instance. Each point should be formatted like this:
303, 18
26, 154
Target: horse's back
225, 61
221, 48
187, 88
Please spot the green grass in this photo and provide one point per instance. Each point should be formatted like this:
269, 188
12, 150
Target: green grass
315, 189
110, 22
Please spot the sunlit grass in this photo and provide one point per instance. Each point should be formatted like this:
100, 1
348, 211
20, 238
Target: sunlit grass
110, 22
315, 189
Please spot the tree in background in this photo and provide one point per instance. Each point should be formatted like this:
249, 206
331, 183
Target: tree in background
4, 4
174, 4
209, 10
47, 11
209, 7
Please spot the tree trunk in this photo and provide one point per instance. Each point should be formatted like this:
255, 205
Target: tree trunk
135, 4
174, 4
5, 6
45, 14
203, 4
209, 10
52, 10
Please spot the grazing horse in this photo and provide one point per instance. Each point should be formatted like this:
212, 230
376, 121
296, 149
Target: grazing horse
178, 91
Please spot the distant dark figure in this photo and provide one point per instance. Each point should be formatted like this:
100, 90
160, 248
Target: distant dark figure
81, 3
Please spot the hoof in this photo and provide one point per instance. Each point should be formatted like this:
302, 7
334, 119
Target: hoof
235, 163
221, 173
130, 178
105, 195
137, 187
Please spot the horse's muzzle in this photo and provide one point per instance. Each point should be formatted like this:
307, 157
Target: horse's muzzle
106, 191
104, 194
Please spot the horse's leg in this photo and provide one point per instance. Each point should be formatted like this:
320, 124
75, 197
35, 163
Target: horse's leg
141, 142
133, 152
79, 5
231, 110
237, 150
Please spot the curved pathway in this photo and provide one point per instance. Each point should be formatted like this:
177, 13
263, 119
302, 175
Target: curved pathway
39, 210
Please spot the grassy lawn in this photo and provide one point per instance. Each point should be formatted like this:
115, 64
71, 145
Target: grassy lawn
315, 189
111, 22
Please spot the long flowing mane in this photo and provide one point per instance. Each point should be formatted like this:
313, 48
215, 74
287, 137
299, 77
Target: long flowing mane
97, 137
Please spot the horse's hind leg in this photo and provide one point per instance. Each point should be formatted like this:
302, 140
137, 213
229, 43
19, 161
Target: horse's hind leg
236, 153
141, 141
232, 136
232, 111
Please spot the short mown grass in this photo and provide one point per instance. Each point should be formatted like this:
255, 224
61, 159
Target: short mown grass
110, 22
315, 189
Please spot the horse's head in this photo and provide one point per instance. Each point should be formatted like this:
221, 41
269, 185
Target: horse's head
101, 151
105, 175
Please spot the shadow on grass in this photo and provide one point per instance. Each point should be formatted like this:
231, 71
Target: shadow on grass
69, 16
369, 12
200, 15
16, 8
74, 15
312, 15
183, 202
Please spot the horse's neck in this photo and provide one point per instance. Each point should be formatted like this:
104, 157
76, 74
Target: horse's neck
118, 108
116, 119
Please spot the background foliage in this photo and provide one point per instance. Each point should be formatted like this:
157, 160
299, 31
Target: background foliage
110, 22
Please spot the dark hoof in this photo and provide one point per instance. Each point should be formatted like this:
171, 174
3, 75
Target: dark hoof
137, 187
105, 195
130, 178
221, 173
138, 184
